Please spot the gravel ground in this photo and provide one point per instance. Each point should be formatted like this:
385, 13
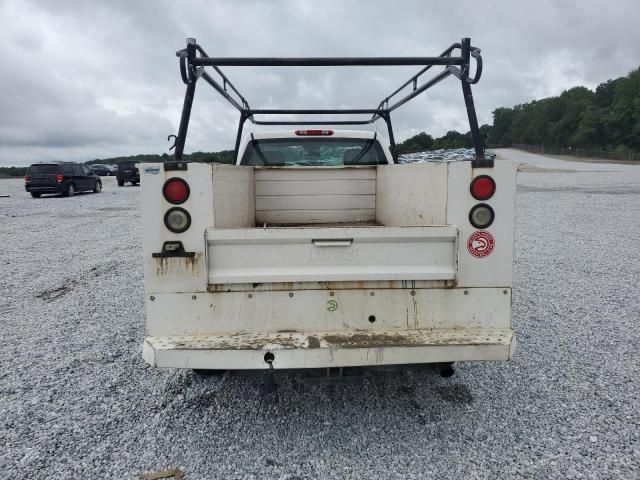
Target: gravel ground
77, 401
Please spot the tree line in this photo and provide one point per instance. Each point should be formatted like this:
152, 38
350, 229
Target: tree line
224, 156
605, 118
452, 139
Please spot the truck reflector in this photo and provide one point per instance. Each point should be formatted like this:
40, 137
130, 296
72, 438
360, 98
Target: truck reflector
175, 190
177, 220
483, 187
481, 216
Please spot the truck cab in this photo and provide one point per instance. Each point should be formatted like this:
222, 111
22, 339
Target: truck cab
316, 250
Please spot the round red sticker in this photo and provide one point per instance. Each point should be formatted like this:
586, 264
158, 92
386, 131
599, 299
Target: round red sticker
481, 244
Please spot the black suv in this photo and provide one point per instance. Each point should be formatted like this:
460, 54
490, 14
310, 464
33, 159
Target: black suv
64, 178
102, 170
128, 172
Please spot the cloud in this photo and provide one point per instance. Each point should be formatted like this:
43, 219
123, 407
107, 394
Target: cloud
83, 80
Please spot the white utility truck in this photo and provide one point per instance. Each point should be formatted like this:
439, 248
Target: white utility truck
316, 250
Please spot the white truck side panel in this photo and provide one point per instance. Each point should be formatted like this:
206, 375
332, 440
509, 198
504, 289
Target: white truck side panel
411, 194
494, 270
233, 196
175, 274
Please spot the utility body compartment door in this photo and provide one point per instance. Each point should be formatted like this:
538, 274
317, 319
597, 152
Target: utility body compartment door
291, 254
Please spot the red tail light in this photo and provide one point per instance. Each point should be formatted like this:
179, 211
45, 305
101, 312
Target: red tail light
175, 190
26, 178
313, 133
483, 187
59, 178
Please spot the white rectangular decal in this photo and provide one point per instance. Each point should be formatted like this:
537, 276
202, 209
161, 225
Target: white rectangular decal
151, 170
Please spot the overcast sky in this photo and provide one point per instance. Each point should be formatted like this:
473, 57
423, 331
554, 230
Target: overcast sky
81, 80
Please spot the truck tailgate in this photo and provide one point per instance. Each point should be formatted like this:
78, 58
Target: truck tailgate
289, 254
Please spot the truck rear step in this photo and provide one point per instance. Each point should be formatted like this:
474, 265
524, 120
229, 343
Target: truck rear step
328, 349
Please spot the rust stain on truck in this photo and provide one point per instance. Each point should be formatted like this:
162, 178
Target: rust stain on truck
179, 265
368, 340
299, 340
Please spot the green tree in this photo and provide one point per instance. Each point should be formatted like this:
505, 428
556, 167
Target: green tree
453, 139
417, 143
501, 131
622, 124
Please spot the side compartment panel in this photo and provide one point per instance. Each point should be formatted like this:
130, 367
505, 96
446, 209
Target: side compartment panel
411, 194
495, 269
233, 196
175, 274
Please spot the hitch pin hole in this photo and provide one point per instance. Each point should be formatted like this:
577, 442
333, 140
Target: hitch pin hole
269, 358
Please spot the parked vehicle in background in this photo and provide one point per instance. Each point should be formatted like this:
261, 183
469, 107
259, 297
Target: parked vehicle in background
63, 178
102, 170
128, 172
113, 170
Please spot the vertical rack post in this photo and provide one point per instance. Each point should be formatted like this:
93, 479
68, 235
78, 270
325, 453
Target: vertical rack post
244, 115
392, 141
188, 100
478, 142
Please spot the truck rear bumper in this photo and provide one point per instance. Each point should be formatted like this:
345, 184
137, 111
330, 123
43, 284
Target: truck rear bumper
328, 349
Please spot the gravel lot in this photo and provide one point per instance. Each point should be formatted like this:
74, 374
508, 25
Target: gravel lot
77, 401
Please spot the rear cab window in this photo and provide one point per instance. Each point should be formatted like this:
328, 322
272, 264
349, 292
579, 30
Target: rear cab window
50, 169
313, 152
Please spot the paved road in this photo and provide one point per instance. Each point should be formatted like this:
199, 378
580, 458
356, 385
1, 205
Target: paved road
77, 401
